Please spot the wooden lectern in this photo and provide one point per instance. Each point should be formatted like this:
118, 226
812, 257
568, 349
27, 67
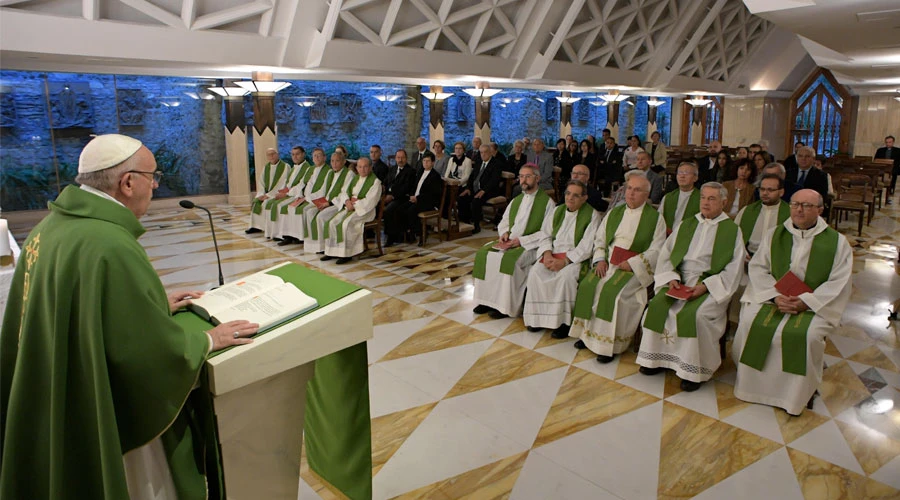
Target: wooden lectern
260, 391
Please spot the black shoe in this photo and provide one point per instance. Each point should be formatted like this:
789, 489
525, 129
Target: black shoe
326, 258
889, 201
561, 332
604, 359
688, 386
476, 229
253, 230
277, 239
321, 253
343, 260
497, 314
288, 240
481, 309
650, 371
534, 328
580, 345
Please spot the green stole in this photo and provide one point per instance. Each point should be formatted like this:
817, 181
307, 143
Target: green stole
275, 206
535, 219
793, 335
332, 189
268, 184
317, 185
751, 215
722, 253
582, 220
606, 303
345, 214
671, 205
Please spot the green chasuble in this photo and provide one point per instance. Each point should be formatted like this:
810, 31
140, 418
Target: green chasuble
793, 335
299, 173
535, 220
671, 205
606, 302
722, 253
751, 215
343, 213
92, 364
268, 184
333, 184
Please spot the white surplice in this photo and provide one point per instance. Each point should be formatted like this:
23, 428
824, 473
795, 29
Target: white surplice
364, 211
505, 292
258, 221
613, 337
767, 220
274, 228
551, 295
294, 224
772, 386
683, 198
694, 358
315, 245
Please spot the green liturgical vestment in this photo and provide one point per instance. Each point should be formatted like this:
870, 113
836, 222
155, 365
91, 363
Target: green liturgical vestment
92, 364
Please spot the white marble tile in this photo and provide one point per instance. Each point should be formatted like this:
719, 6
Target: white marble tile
758, 419
515, 409
393, 290
620, 455
892, 378
879, 415
415, 298
827, 442
374, 282
831, 360
437, 372
178, 249
306, 492
388, 336
770, 477
388, 393
605, 370
847, 346
495, 327
439, 307
543, 479
465, 317
703, 400
564, 351
655, 385
729, 378
891, 353
445, 444
889, 473
524, 338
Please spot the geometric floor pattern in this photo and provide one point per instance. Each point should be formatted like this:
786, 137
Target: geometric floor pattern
464, 406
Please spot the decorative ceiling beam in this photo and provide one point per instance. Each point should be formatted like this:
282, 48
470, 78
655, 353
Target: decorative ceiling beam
331, 18
90, 9
361, 28
231, 15
684, 22
155, 12
695, 39
188, 12
7, 3
387, 26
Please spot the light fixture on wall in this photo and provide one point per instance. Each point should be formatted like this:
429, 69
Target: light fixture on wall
897, 97
698, 101
614, 96
262, 82
386, 97
170, 102
653, 102
482, 89
305, 101
566, 98
228, 92
436, 93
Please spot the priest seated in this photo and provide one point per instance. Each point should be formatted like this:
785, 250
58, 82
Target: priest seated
698, 271
322, 209
799, 287
612, 297
565, 249
684, 202
358, 205
274, 177
501, 266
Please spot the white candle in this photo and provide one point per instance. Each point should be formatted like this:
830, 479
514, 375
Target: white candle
4, 238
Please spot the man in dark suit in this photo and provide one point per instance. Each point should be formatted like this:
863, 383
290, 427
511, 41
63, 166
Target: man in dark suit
475, 153
805, 176
421, 149
379, 167
709, 169
595, 197
891, 153
484, 184
427, 193
609, 165
790, 163
402, 182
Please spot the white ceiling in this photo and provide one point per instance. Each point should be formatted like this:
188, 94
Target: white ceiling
663, 46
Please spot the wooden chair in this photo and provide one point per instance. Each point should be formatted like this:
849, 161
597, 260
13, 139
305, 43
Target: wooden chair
455, 227
375, 226
849, 198
432, 215
498, 203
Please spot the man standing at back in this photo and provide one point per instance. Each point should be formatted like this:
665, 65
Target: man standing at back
96, 378
544, 160
891, 153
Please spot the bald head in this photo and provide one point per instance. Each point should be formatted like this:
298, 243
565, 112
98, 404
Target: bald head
581, 173
806, 207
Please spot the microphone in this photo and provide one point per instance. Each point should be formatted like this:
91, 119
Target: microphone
189, 205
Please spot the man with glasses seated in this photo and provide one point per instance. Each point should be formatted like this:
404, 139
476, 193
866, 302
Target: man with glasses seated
594, 196
501, 266
799, 287
684, 202
759, 217
565, 247
274, 178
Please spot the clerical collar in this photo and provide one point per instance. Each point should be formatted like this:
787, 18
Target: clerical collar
101, 194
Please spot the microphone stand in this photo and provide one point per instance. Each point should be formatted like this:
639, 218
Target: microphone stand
189, 204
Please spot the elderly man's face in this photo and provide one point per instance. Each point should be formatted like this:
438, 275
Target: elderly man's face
337, 162
485, 153
400, 157
581, 173
272, 156
297, 156
805, 158
805, 209
421, 144
711, 202
363, 167
318, 158
537, 146
528, 179
769, 192
686, 176
476, 143
643, 161
139, 187
637, 190
575, 198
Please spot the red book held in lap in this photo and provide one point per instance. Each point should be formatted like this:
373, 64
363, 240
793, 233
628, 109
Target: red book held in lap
620, 255
682, 293
320, 203
792, 286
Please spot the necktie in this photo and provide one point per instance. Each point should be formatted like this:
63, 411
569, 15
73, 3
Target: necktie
888, 154
478, 179
802, 179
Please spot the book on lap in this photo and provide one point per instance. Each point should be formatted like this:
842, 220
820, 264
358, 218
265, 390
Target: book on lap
259, 298
792, 286
560, 256
320, 203
620, 255
682, 293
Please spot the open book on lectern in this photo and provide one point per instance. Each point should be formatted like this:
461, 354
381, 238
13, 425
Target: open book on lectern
259, 298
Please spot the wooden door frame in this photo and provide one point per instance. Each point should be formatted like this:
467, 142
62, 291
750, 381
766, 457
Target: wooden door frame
844, 133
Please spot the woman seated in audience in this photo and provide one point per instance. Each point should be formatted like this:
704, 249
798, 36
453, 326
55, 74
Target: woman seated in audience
459, 166
658, 153
441, 159
593, 142
583, 157
741, 189
516, 158
760, 160
629, 158
743, 153
567, 161
559, 152
727, 171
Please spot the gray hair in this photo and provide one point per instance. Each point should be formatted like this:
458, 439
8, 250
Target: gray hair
809, 150
781, 170
106, 180
690, 164
575, 182
723, 193
519, 143
363, 160
636, 173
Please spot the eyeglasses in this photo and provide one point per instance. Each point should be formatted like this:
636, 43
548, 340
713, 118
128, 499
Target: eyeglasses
527, 176
685, 172
804, 206
769, 190
569, 193
157, 175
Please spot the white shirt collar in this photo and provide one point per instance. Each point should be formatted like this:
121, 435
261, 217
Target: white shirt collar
101, 194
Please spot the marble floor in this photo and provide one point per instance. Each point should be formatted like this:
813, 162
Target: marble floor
467, 406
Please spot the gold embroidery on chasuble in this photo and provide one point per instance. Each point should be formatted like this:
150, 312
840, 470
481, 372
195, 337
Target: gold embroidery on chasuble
31, 256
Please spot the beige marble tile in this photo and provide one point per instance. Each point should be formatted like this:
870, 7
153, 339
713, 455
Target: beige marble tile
393, 310
672, 385
583, 355
396, 280
873, 356
728, 404
831, 350
871, 448
820, 480
793, 427
547, 340
841, 388
440, 333
697, 452
490, 482
440, 296
627, 365
517, 325
501, 363
390, 431
585, 400
419, 288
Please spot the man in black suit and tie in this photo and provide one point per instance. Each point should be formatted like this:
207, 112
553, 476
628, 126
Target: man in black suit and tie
484, 184
805, 176
402, 182
475, 154
609, 165
709, 169
427, 193
595, 197
421, 149
379, 167
891, 153
790, 163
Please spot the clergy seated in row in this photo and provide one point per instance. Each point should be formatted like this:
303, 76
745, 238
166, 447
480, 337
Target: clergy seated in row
501, 266
274, 177
293, 187
564, 254
684, 202
594, 196
799, 287
613, 295
484, 184
290, 223
321, 209
701, 264
400, 186
427, 194
358, 204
